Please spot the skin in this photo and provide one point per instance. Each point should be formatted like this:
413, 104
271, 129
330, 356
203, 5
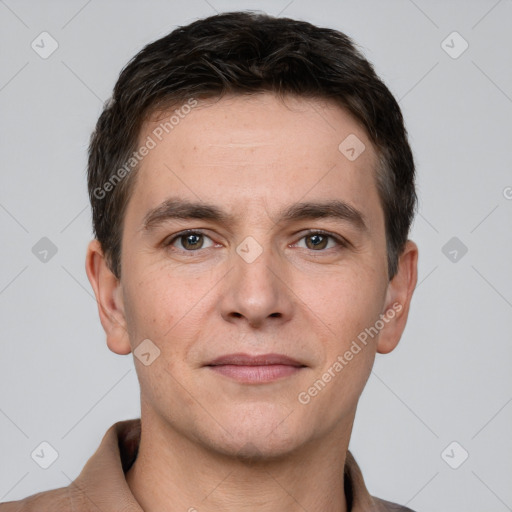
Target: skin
210, 442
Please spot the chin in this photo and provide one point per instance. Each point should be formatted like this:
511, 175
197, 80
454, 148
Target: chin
255, 449
258, 436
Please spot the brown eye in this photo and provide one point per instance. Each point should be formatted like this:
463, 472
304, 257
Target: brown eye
190, 241
316, 241
194, 241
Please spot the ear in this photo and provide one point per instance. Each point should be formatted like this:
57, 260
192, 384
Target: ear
398, 298
109, 297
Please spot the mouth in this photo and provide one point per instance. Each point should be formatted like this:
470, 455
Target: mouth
255, 369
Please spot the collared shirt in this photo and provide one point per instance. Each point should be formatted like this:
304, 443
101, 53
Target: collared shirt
102, 486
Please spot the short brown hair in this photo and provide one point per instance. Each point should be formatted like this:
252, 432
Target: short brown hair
244, 53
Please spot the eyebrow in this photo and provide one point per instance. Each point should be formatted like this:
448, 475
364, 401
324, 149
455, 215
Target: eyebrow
177, 208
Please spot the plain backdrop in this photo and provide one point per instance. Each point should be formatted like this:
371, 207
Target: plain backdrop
448, 381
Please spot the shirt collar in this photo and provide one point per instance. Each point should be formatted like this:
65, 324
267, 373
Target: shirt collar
102, 484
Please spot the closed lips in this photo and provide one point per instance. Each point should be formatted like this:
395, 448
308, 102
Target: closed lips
258, 360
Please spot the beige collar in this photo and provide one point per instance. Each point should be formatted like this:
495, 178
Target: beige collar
102, 484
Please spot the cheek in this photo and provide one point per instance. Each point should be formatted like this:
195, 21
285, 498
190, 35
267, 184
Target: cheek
151, 306
169, 308
347, 303
359, 303
337, 383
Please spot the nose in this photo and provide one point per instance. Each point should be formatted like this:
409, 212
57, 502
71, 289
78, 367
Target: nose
256, 292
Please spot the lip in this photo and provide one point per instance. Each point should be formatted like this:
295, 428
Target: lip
241, 359
255, 369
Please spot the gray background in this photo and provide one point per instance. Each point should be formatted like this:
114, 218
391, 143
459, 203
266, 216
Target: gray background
449, 380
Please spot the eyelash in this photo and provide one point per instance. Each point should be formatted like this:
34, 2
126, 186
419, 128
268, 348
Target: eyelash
340, 241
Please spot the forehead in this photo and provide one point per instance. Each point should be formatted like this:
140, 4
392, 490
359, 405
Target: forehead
241, 150
254, 121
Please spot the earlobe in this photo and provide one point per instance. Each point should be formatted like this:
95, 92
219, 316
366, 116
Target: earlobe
398, 298
107, 289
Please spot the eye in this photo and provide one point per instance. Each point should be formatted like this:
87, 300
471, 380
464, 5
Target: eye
319, 240
190, 241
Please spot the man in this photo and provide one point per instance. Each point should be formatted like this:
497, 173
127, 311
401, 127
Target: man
252, 191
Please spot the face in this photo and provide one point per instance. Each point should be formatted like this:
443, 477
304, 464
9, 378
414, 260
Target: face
249, 233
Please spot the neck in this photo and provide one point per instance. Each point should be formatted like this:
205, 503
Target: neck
173, 473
